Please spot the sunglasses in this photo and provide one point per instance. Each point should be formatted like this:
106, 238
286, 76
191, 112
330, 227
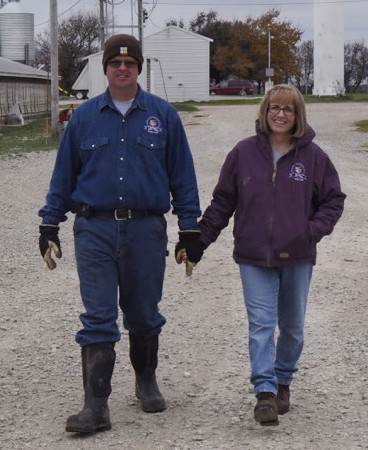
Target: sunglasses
115, 64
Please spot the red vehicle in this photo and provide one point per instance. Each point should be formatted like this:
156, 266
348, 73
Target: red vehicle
65, 115
233, 87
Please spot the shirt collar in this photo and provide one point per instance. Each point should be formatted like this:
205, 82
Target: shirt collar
140, 99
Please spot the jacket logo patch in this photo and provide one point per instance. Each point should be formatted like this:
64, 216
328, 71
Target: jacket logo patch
297, 172
153, 125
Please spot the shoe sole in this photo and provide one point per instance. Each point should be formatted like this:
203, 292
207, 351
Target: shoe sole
71, 429
274, 423
153, 408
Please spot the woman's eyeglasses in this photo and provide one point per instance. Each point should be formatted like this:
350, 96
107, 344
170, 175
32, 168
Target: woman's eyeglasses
287, 110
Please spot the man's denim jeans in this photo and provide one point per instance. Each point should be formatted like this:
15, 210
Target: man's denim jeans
275, 296
120, 263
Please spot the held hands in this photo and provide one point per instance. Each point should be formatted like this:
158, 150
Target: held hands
189, 249
49, 241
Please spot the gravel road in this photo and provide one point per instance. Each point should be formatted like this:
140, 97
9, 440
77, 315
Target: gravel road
204, 366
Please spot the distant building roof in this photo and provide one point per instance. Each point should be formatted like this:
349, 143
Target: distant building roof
14, 69
181, 30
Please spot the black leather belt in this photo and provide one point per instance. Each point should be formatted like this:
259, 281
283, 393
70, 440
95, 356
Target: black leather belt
117, 214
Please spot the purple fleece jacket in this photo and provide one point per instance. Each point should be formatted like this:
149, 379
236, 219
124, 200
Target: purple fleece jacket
281, 210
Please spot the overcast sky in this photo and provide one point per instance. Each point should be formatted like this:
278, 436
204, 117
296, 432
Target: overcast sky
298, 12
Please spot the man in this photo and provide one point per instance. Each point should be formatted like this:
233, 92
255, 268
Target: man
123, 156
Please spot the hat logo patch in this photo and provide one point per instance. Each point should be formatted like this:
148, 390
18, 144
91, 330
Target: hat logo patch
123, 50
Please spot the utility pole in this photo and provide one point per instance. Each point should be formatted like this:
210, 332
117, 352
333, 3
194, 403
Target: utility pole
142, 16
54, 67
140, 22
102, 25
269, 70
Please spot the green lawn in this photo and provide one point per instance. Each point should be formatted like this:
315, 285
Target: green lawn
362, 125
34, 136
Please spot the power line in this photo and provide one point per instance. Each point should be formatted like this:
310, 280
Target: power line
61, 14
310, 2
213, 5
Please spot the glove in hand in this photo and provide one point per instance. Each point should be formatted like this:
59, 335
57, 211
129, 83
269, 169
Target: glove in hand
48, 242
191, 245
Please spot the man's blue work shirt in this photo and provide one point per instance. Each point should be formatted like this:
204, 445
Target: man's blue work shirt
140, 161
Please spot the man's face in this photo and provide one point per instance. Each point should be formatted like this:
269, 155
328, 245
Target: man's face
122, 74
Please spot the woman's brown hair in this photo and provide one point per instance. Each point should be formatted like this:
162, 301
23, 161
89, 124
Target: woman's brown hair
284, 94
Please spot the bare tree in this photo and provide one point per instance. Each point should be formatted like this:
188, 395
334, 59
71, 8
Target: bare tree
306, 64
355, 66
78, 37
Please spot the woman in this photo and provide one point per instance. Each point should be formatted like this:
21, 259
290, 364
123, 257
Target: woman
286, 196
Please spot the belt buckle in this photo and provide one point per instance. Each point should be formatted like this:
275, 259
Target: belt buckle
126, 217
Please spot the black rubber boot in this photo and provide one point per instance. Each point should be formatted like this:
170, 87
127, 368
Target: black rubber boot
143, 355
98, 364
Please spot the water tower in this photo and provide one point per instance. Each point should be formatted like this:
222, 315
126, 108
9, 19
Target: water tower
328, 48
16, 33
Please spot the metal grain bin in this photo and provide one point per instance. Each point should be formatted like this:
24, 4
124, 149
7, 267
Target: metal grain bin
17, 33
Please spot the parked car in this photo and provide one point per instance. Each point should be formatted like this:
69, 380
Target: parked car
231, 87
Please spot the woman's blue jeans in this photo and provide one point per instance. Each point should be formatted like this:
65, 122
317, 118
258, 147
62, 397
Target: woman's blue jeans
275, 297
121, 263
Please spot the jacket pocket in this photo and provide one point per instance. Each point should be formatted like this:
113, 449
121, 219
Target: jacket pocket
295, 247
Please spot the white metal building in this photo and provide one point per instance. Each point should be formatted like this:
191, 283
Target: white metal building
180, 64
176, 67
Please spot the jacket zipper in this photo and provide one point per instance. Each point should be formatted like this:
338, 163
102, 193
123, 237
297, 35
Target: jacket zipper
274, 171
273, 181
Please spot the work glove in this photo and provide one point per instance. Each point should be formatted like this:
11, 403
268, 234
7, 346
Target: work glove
192, 247
49, 241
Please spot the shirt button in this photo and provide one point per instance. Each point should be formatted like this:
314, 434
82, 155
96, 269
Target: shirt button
120, 178
122, 140
120, 198
121, 159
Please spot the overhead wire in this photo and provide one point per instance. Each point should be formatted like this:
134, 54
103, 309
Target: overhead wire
61, 14
213, 5
310, 2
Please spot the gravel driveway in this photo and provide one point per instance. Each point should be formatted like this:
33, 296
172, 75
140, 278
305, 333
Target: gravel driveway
204, 367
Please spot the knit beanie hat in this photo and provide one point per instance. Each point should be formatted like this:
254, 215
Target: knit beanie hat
122, 45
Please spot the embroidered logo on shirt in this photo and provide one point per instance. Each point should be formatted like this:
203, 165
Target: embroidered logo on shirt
153, 125
297, 172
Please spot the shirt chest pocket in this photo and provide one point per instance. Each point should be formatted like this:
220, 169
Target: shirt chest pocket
152, 143
92, 144
93, 150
